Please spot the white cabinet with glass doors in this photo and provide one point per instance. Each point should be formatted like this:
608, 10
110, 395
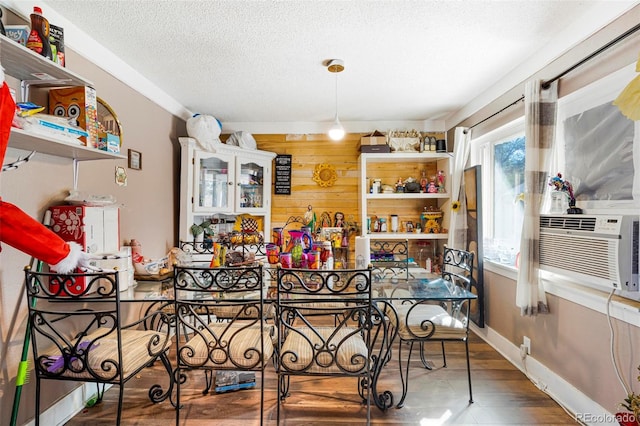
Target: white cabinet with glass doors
228, 181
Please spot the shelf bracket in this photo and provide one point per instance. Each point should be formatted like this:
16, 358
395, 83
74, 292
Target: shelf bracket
75, 174
25, 85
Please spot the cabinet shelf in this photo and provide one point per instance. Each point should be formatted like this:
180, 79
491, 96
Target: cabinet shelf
403, 157
406, 195
57, 146
25, 64
406, 236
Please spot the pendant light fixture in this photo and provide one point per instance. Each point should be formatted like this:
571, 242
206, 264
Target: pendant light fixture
336, 131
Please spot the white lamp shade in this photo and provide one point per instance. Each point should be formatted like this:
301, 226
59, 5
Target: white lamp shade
336, 131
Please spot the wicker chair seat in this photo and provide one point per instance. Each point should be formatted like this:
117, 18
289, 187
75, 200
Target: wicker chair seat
418, 323
139, 347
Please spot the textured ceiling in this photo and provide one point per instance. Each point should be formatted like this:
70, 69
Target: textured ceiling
262, 61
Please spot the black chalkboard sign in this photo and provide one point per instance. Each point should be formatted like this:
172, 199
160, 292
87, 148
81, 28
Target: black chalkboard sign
283, 174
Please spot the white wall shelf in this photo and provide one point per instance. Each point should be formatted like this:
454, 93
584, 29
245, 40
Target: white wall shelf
33, 69
58, 146
24, 64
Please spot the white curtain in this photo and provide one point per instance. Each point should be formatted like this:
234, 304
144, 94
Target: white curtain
457, 221
540, 122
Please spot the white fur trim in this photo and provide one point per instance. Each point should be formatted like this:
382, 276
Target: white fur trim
71, 261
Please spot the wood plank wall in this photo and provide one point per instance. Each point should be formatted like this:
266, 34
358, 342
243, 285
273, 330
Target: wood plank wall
309, 150
306, 152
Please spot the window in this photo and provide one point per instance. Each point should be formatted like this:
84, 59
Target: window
502, 154
595, 146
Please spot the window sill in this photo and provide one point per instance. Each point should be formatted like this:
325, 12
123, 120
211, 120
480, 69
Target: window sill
501, 269
625, 306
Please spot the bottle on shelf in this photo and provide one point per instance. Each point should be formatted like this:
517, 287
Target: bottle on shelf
38, 40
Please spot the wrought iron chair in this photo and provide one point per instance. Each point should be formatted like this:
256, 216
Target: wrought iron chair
390, 257
425, 321
327, 326
221, 324
77, 334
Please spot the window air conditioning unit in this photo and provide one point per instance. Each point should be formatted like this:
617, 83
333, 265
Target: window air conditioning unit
600, 251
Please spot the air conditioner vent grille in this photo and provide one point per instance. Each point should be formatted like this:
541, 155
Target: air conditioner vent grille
576, 223
580, 256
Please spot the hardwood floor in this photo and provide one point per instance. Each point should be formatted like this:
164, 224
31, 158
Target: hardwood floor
502, 395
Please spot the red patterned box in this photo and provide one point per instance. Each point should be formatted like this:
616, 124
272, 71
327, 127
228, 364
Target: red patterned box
96, 229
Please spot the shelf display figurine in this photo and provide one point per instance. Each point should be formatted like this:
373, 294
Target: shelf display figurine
432, 188
440, 182
563, 186
310, 219
423, 182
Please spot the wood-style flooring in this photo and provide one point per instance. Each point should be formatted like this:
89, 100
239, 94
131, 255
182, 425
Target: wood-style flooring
502, 395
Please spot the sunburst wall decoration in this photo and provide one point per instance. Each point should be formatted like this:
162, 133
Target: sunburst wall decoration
324, 175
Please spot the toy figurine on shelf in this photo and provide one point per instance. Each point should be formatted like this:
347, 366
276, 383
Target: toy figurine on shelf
440, 182
310, 219
432, 188
399, 185
338, 220
423, 182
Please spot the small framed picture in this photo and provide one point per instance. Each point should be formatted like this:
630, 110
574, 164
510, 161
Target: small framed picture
135, 160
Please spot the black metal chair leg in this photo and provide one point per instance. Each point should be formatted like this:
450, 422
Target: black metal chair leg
38, 402
404, 375
444, 356
466, 345
120, 400
425, 363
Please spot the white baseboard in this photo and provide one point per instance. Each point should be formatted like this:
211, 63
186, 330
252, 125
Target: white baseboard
67, 407
578, 405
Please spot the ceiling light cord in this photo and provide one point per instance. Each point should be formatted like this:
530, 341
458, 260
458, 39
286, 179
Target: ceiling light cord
336, 131
336, 96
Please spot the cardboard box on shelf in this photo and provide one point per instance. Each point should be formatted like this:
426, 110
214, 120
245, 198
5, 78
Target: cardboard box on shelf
80, 102
18, 33
56, 35
108, 142
374, 148
375, 138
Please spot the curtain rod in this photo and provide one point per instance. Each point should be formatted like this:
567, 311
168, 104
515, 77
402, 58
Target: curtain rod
546, 84
521, 98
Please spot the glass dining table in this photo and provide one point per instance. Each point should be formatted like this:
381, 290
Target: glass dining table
388, 292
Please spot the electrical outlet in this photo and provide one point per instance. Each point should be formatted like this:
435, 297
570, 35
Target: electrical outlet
526, 342
523, 351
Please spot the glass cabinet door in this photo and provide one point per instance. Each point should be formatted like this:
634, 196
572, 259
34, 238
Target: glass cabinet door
214, 176
250, 188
